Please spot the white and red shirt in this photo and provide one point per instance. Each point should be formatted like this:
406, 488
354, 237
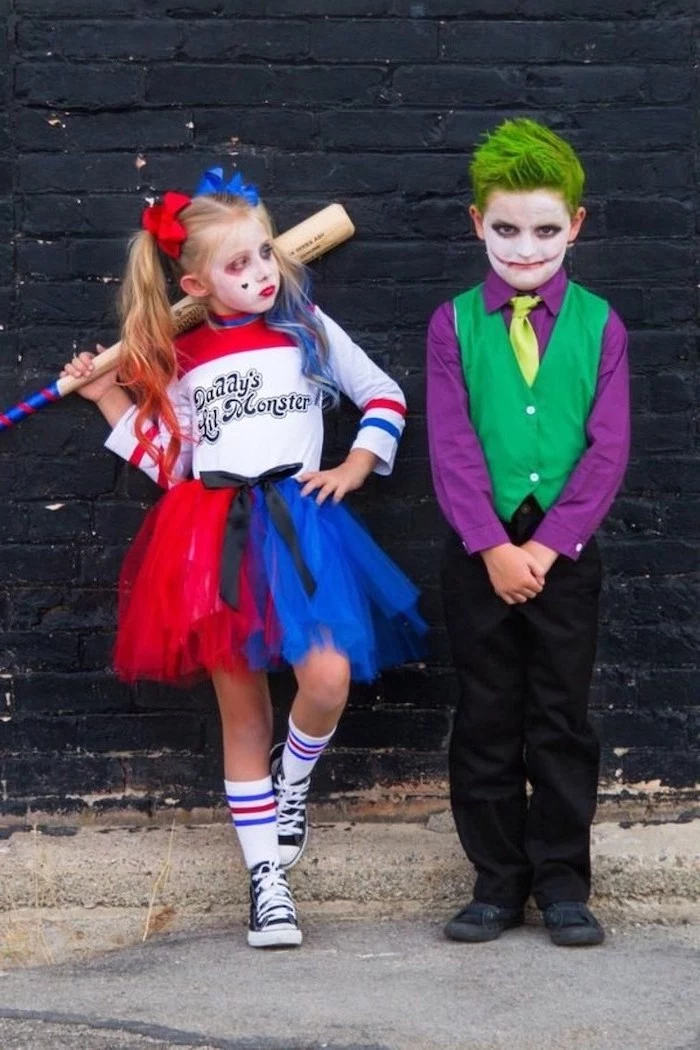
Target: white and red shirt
245, 407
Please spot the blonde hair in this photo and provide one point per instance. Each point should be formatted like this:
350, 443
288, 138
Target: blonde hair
148, 359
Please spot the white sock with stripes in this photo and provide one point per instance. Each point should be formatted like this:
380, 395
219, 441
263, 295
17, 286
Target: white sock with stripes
254, 814
301, 753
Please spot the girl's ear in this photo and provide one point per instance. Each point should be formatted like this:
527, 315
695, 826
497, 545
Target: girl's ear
191, 285
478, 220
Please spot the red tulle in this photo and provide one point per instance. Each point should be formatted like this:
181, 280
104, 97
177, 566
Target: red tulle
173, 624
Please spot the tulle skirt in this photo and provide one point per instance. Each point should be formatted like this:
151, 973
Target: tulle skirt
174, 625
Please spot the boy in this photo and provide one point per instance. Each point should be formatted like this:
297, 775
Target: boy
528, 421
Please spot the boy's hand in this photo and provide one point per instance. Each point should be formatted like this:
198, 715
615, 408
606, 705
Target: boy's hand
81, 366
349, 476
515, 573
544, 555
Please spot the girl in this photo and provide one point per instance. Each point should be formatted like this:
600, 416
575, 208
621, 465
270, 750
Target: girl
252, 564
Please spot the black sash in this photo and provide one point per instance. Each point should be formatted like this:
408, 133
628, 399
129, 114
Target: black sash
238, 524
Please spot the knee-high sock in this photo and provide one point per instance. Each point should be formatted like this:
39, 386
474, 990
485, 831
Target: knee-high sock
254, 815
301, 753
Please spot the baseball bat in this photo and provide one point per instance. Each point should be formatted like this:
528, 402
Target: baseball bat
306, 241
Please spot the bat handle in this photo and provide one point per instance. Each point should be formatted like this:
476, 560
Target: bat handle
33, 404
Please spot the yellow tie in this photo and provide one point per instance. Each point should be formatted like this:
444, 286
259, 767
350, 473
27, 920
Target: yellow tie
522, 336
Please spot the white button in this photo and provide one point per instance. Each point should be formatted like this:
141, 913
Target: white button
530, 410
579, 548
534, 477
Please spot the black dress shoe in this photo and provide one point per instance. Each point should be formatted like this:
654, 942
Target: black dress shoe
572, 925
482, 922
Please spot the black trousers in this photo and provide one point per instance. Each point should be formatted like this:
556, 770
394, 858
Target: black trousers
524, 674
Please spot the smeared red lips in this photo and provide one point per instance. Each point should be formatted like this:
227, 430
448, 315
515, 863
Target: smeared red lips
267, 292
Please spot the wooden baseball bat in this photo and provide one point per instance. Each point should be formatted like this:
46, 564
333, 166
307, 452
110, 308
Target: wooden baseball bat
306, 241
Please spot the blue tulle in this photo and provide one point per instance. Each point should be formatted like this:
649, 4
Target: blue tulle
363, 604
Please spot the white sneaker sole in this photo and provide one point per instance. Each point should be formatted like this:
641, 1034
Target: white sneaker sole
282, 937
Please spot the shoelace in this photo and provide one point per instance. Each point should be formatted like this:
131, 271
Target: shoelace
291, 804
273, 901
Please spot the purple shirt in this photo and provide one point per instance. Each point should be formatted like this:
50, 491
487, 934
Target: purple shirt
460, 473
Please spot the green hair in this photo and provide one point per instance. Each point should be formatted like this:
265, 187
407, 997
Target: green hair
522, 155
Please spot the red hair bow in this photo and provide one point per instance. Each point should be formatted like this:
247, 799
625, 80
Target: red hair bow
162, 221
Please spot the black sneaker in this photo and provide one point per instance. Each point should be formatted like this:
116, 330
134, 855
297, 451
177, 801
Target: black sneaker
572, 925
273, 917
292, 825
482, 922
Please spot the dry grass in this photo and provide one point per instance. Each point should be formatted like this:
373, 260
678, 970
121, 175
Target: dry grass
157, 922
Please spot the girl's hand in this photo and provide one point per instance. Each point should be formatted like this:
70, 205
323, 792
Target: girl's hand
82, 365
349, 476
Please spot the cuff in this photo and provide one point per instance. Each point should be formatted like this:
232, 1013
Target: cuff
484, 536
383, 446
560, 540
121, 438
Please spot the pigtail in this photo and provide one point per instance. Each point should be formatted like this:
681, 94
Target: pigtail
148, 361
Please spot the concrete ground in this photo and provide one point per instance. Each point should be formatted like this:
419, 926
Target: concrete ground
358, 985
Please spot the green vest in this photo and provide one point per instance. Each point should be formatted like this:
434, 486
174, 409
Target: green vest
532, 437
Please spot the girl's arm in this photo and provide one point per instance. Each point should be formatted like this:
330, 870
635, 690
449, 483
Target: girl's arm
120, 412
123, 440
378, 397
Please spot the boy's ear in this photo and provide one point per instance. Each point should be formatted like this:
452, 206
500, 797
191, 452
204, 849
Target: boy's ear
478, 220
192, 285
576, 224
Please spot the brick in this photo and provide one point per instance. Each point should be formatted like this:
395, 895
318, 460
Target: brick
553, 85
44, 302
665, 474
373, 41
672, 391
27, 651
58, 130
106, 171
510, 40
398, 129
662, 218
606, 9
61, 84
103, 214
75, 8
34, 564
113, 733
419, 84
100, 40
662, 433
256, 85
281, 128
242, 39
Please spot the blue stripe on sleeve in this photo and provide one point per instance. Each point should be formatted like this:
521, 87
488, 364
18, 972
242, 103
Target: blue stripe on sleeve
383, 424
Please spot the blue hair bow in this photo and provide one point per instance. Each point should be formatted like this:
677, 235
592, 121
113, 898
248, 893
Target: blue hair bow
212, 181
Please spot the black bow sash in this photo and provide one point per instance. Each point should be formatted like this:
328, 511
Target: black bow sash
238, 524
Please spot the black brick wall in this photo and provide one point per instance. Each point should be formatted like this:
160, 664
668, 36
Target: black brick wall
376, 104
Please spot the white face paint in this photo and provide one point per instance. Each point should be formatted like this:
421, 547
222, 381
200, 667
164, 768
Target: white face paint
526, 235
243, 275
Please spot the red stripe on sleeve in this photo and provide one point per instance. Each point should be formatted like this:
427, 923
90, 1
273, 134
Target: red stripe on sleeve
386, 402
140, 451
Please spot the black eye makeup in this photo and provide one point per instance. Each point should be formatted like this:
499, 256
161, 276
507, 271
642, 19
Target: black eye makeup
504, 229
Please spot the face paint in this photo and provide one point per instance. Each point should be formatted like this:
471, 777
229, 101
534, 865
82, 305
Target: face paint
526, 235
243, 275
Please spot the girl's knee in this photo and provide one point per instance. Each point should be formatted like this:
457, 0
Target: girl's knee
325, 677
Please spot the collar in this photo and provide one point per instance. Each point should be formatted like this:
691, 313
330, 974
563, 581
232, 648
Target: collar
232, 320
498, 293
